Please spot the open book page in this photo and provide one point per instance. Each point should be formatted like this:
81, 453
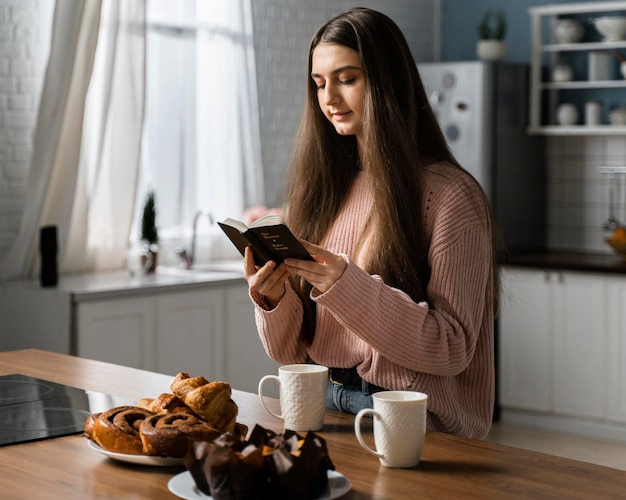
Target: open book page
268, 220
240, 226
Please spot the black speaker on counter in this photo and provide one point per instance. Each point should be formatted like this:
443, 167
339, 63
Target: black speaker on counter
48, 248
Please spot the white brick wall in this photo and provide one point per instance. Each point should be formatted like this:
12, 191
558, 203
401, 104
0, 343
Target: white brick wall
25, 27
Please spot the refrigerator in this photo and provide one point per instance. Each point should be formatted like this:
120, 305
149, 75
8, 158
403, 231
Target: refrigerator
482, 108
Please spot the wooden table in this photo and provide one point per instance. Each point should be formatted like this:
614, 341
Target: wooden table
451, 467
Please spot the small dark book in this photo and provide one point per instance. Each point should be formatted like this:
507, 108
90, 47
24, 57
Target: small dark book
269, 237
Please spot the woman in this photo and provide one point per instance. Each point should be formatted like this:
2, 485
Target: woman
401, 295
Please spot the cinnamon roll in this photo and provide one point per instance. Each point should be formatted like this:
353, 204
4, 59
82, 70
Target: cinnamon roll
170, 434
117, 429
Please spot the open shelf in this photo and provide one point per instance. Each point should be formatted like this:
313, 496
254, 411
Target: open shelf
546, 95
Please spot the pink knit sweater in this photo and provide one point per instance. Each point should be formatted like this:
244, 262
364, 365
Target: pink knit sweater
444, 347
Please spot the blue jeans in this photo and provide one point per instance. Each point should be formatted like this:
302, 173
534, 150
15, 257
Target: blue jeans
346, 399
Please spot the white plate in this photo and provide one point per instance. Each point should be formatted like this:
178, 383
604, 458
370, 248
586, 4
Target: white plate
137, 459
183, 486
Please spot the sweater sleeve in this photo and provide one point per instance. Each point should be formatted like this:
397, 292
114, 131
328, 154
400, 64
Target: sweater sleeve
279, 328
437, 337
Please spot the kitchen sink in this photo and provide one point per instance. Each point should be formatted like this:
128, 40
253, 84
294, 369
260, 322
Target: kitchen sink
218, 266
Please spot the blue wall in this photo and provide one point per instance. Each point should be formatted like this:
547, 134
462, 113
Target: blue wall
461, 18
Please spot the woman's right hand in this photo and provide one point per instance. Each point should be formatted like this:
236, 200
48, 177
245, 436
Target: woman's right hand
267, 280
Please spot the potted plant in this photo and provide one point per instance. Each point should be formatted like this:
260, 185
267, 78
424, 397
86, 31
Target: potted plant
491, 33
149, 231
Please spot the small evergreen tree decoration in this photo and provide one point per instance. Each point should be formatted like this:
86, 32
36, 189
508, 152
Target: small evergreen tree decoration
149, 230
492, 26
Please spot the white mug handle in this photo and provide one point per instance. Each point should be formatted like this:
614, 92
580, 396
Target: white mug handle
146, 260
261, 382
357, 429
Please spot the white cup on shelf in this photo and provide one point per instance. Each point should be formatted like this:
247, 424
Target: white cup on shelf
568, 31
599, 65
593, 112
562, 73
618, 116
567, 114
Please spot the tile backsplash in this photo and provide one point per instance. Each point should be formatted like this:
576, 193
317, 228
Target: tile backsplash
578, 193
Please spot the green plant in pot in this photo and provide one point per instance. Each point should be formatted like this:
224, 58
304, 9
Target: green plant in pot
149, 231
491, 33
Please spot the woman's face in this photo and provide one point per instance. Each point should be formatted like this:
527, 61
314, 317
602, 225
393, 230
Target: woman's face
338, 75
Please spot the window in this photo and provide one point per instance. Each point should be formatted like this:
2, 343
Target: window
201, 146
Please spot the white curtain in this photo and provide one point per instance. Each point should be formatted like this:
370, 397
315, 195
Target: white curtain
228, 117
111, 142
202, 145
54, 166
85, 183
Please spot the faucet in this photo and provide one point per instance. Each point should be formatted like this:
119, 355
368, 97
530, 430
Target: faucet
189, 257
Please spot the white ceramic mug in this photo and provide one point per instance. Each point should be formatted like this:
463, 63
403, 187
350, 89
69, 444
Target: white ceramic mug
138, 261
399, 427
618, 116
302, 390
567, 114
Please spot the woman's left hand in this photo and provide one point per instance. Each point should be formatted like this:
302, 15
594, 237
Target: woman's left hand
323, 272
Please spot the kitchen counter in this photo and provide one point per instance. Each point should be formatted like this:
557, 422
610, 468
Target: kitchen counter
451, 467
121, 284
570, 261
118, 284
55, 326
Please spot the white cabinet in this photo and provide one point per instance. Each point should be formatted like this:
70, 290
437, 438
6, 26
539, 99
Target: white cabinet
545, 93
200, 323
208, 331
616, 360
525, 341
189, 331
562, 353
163, 332
580, 344
245, 360
117, 331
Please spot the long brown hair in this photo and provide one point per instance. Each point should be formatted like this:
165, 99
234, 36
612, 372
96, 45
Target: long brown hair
400, 135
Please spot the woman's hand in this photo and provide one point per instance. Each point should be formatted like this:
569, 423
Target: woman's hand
326, 269
267, 280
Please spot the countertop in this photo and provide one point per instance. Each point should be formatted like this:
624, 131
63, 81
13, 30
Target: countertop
450, 466
97, 286
569, 261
